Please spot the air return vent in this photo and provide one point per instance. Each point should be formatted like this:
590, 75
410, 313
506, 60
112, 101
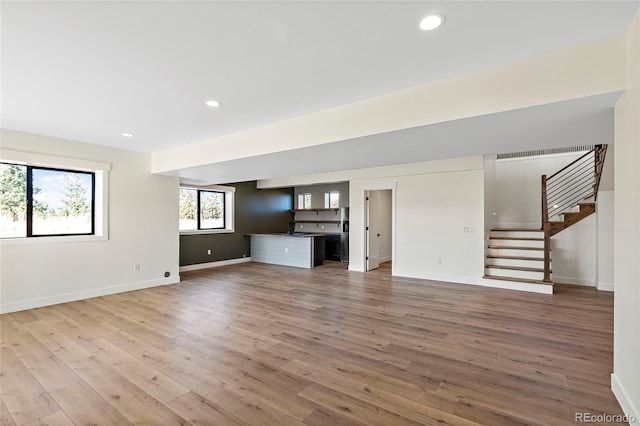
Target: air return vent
545, 152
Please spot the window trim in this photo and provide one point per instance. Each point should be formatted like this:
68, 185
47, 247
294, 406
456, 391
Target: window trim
302, 202
327, 199
199, 210
30, 201
228, 214
101, 191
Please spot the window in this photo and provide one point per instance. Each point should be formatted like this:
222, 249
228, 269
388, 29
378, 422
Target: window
188, 209
304, 201
332, 200
205, 209
42, 201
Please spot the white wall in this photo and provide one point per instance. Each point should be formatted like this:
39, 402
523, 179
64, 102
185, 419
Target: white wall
605, 220
605, 223
432, 208
384, 223
490, 196
143, 229
574, 254
625, 380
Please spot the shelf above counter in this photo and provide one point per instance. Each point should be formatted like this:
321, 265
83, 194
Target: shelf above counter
337, 222
336, 210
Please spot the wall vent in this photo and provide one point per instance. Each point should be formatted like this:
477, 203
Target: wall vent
545, 152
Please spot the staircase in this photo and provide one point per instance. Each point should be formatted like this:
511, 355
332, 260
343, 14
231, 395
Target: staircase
522, 256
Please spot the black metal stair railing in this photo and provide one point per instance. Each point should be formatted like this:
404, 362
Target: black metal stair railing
576, 182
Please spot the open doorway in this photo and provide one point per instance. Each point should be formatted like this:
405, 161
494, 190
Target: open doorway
379, 229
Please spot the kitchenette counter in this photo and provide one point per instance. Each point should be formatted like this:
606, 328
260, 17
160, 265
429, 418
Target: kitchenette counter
299, 249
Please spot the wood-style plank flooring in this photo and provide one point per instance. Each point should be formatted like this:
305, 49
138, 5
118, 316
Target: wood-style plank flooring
267, 345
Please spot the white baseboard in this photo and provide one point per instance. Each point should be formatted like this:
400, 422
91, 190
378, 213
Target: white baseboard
573, 281
457, 279
86, 294
208, 265
605, 286
385, 259
623, 399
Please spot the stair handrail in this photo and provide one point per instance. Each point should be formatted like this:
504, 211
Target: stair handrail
571, 164
569, 185
600, 154
546, 228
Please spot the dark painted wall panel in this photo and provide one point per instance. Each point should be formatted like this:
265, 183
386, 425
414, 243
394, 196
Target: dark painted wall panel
256, 210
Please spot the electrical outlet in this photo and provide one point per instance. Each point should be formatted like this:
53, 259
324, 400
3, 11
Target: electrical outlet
136, 266
439, 261
286, 250
209, 252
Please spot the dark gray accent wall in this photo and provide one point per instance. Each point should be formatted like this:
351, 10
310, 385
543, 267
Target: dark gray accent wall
256, 211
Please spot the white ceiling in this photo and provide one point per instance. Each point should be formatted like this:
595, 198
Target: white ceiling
88, 71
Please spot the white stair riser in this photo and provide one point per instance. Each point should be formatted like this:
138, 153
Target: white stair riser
512, 252
518, 234
518, 243
515, 273
512, 262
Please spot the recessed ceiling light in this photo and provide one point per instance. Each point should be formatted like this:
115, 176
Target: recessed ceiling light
128, 135
212, 103
431, 22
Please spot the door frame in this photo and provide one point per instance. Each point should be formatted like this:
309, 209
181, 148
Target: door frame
372, 228
380, 187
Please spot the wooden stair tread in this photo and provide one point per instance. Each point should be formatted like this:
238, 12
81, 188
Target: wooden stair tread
519, 280
587, 203
495, 256
517, 229
515, 268
515, 248
516, 238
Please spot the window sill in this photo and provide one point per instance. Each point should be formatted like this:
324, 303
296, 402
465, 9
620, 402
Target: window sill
208, 231
49, 240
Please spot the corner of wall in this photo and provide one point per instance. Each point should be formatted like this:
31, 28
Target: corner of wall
628, 408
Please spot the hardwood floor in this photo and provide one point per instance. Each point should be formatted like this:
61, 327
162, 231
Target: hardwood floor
259, 344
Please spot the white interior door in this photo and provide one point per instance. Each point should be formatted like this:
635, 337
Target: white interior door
373, 233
